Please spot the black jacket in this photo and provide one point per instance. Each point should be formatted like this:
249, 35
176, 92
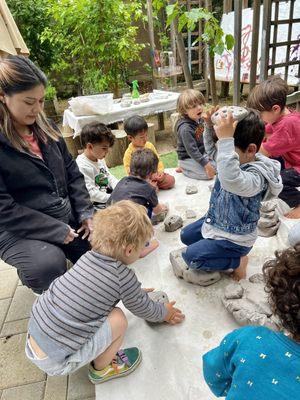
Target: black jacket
190, 140
31, 187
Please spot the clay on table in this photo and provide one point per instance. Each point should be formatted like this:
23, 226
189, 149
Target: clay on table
181, 270
248, 302
191, 189
172, 223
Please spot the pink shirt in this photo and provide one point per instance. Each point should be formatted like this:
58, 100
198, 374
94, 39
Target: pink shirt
33, 145
284, 140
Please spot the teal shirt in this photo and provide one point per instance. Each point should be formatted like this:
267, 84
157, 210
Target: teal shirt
254, 363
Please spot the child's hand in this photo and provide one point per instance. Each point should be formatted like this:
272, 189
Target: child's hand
147, 290
174, 315
207, 115
210, 171
225, 126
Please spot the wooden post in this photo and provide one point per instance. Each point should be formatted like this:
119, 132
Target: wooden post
160, 116
182, 53
115, 155
254, 47
211, 65
237, 52
73, 144
265, 40
227, 7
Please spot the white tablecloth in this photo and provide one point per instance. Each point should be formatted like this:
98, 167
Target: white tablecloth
119, 113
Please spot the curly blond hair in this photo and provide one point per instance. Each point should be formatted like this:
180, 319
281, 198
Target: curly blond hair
119, 225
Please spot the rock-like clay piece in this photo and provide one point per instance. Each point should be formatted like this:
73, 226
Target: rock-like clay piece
190, 214
157, 218
268, 232
252, 308
181, 270
234, 291
158, 296
269, 215
256, 278
294, 235
191, 189
267, 206
172, 223
238, 113
266, 223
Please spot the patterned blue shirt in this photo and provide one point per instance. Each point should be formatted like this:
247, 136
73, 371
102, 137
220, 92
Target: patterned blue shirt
254, 363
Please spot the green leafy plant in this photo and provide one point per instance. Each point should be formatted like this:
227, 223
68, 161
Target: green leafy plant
213, 34
95, 42
50, 92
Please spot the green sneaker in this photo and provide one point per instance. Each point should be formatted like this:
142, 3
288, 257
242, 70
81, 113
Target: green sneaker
124, 363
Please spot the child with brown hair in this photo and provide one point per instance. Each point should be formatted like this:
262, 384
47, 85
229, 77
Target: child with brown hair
136, 128
193, 161
96, 140
76, 321
283, 135
256, 363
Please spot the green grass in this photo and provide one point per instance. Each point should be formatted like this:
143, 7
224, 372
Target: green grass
170, 160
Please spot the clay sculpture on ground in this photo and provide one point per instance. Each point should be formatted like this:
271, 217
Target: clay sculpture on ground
157, 218
158, 296
268, 223
191, 189
172, 223
181, 270
248, 302
189, 213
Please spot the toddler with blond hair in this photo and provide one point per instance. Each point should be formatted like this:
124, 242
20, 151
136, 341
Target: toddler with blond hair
76, 321
192, 159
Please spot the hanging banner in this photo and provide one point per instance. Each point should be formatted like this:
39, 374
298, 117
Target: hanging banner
224, 63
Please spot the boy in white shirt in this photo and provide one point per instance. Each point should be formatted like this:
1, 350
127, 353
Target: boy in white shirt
96, 140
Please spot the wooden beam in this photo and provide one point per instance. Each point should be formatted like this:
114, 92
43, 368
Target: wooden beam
265, 40
151, 39
237, 52
254, 46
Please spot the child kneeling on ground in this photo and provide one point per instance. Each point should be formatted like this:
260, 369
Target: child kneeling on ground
256, 363
76, 321
221, 240
137, 187
137, 132
96, 140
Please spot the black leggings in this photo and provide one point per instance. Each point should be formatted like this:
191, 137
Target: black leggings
291, 181
39, 263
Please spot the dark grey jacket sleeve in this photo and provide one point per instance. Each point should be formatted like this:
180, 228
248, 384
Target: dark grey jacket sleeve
78, 194
188, 139
28, 223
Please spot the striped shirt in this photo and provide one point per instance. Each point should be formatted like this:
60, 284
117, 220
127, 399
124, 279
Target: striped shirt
78, 302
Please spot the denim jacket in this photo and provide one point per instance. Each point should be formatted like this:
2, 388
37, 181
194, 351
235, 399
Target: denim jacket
239, 189
232, 213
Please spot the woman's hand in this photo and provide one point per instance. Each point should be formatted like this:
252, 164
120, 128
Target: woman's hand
87, 228
70, 236
210, 171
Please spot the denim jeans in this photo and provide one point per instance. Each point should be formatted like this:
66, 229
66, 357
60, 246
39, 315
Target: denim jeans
210, 254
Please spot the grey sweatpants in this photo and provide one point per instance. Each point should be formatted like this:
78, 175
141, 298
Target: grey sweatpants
192, 169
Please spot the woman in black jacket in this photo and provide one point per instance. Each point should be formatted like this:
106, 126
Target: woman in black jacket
45, 210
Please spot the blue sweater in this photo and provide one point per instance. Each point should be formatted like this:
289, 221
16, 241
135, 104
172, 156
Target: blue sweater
254, 363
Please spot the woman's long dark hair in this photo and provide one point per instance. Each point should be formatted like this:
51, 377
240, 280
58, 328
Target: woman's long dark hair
18, 74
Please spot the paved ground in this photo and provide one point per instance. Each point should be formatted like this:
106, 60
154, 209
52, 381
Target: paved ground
19, 379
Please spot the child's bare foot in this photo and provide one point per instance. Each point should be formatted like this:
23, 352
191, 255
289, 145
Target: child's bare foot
294, 213
241, 271
179, 170
148, 249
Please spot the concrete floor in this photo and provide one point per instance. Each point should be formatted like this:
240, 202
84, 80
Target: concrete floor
172, 366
